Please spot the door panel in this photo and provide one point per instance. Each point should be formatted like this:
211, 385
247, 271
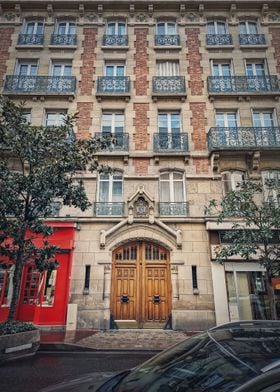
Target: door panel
141, 284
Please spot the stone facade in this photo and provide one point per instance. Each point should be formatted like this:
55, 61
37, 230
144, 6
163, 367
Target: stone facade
151, 151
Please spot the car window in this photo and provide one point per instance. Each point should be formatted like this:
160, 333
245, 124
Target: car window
198, 365
272, 388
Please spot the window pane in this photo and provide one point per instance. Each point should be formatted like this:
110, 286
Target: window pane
117, 191
211, 28
160, 29
67, 70
178, 192
72, 28
103, 191
252, 28
171, 28
121, 29
221, 28
30, 28
242, 28
111, 29
164, 191
40, 27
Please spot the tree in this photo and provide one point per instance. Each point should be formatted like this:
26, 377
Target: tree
38, 167
254, 210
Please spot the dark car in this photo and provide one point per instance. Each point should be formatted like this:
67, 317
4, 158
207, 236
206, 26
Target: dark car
239, 357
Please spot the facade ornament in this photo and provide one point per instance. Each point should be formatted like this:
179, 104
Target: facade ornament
150, 10
192, 17
50, 10
141, 18
233, 10
10, 16
131, 10
182, 10
215, 162
18, 10
273, 17
100, 9
91, 17
81, 10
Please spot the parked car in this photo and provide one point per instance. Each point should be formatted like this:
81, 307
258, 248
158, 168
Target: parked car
235, 357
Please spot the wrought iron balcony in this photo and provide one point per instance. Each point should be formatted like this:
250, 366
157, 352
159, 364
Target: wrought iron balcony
174, 209
218, 39
120, 141
115, 40
108, 209
167, 40
64, 39
30, 39
170, 142
243, 84
169, 85
40, 84
243, 138
252, 39
113, 84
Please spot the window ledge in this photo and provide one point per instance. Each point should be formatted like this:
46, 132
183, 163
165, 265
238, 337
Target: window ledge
29, 46
257, 46
114, 47
167, 47
230, 47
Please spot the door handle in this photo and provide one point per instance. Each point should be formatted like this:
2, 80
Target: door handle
156, 299
124, 299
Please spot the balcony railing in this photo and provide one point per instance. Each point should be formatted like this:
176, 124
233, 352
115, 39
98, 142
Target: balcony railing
120, 141
218, 39
113, 84
174, 209
167, 40
108, 209
115, 40
240, 138
243, 84
64, 39
40, 84
171, 142
169, 85
30, 39
252, 39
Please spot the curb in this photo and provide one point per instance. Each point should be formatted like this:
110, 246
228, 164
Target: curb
67, 347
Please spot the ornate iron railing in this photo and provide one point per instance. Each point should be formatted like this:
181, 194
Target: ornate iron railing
241, 84
40, 84
64, 39
238, 138
219, 39
252, 39
167, 40
169, 85
113, 84
30, 39
174, 208
170, 142
119, 141
115, 40
108, 209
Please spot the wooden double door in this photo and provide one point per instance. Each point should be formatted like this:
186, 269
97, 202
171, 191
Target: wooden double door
141, 289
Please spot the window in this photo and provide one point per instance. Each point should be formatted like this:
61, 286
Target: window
248, 27
61, 69
27, 115
54, 118
231, 179
110, 188
26, 68
269, 194
33, 28
112, 122
114, 70
216, 27
172, 188
264, 118
194, 277
255, 68
87, 279
116, 28
65, 28
226, 119
168, 68
166, 28
169, 130
221, 68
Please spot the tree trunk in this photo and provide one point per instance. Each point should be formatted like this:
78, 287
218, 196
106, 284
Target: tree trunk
16, 281
271, 296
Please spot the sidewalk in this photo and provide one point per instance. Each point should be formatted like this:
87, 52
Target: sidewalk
123, 339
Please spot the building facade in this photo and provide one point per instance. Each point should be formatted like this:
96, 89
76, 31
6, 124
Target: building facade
190, 92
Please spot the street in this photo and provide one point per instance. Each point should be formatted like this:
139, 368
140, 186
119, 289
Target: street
46, 368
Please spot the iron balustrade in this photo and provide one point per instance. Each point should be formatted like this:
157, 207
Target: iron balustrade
167, 40
174, 208
219, 39
238, 138
113, 84
243, 84
119, 143
30, 39
108, 209
40, 84
170, 142
115, 40
252, 39
64, 39
169, 85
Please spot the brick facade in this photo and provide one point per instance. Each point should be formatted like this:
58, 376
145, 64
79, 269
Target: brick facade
198, 122
141, 122
84, 120
141, 166
88, 57
5, 44
202, 165
141, 69
275, 41
194, 58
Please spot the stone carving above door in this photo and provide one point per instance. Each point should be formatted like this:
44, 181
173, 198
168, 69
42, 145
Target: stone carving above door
141, 206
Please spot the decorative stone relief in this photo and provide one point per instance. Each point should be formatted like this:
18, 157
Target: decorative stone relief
10, 16
274, 17
141, 18
141, 205
91, 17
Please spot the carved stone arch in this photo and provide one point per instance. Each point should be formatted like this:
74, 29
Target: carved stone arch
142, 232
171, 169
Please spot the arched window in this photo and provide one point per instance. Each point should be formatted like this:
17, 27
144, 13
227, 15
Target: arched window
116, 28
216, 27
172, 187
231, 179
166, 28
109, 194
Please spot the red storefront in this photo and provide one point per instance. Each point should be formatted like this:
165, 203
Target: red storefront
43, 295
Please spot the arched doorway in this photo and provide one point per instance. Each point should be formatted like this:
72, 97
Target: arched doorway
141, 285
